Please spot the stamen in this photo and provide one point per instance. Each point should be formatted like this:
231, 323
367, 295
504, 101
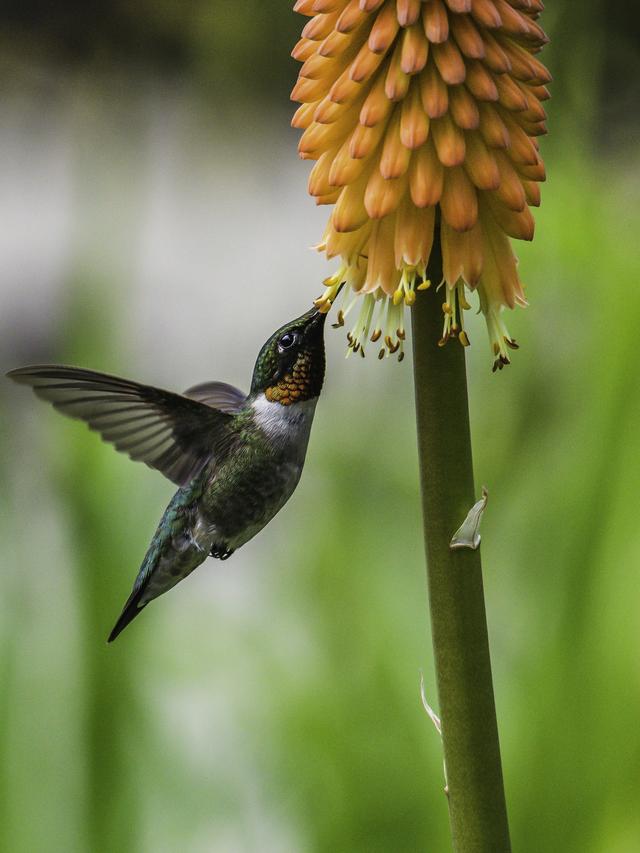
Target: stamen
339, 320
385, 314
453, 326
360, 330
498, 335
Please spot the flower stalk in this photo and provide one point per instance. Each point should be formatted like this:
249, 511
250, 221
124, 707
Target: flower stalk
476, 797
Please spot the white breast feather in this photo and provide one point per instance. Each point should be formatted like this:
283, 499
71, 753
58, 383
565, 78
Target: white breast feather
285, 424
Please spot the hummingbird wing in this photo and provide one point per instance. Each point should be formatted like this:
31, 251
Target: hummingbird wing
174, 434
220, 395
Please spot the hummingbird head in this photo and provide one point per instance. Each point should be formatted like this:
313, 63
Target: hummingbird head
290, 366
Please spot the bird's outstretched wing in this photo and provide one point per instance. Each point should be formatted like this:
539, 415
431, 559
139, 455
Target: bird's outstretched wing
220, 395
173, 433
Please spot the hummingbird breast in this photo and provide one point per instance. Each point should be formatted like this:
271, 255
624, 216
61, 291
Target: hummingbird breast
240, 508
261, 473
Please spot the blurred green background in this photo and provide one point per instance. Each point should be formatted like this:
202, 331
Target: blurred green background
155, 223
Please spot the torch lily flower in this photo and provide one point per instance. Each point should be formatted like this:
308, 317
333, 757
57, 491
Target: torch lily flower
422, 117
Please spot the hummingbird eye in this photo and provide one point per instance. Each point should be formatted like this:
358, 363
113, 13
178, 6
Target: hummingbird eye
287, 340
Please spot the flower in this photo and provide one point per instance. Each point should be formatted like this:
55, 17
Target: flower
422, 117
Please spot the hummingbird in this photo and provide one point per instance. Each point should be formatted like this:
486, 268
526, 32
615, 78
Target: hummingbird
236, 458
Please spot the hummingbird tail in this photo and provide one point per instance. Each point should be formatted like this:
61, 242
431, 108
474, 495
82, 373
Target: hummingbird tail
131, 609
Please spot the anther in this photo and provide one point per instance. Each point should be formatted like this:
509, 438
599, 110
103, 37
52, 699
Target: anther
376, 335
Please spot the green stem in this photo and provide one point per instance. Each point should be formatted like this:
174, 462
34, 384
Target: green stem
477, 808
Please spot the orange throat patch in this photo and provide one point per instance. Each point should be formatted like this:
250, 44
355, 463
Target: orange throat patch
293, 387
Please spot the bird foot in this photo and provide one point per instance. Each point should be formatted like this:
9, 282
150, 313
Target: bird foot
221, 552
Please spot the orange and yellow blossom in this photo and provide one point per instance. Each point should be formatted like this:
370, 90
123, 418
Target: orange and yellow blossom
422, 117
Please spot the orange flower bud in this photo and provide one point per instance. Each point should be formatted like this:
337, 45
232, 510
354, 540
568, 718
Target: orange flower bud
422, 116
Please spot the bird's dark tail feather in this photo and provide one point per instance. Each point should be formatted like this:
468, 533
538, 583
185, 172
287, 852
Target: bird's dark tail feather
131, 609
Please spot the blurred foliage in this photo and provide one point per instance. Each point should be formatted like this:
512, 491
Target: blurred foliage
211, 42
594, 54
272, 703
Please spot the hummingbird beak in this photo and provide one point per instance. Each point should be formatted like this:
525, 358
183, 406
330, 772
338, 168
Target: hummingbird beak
312, 327
313, 320
317, 318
